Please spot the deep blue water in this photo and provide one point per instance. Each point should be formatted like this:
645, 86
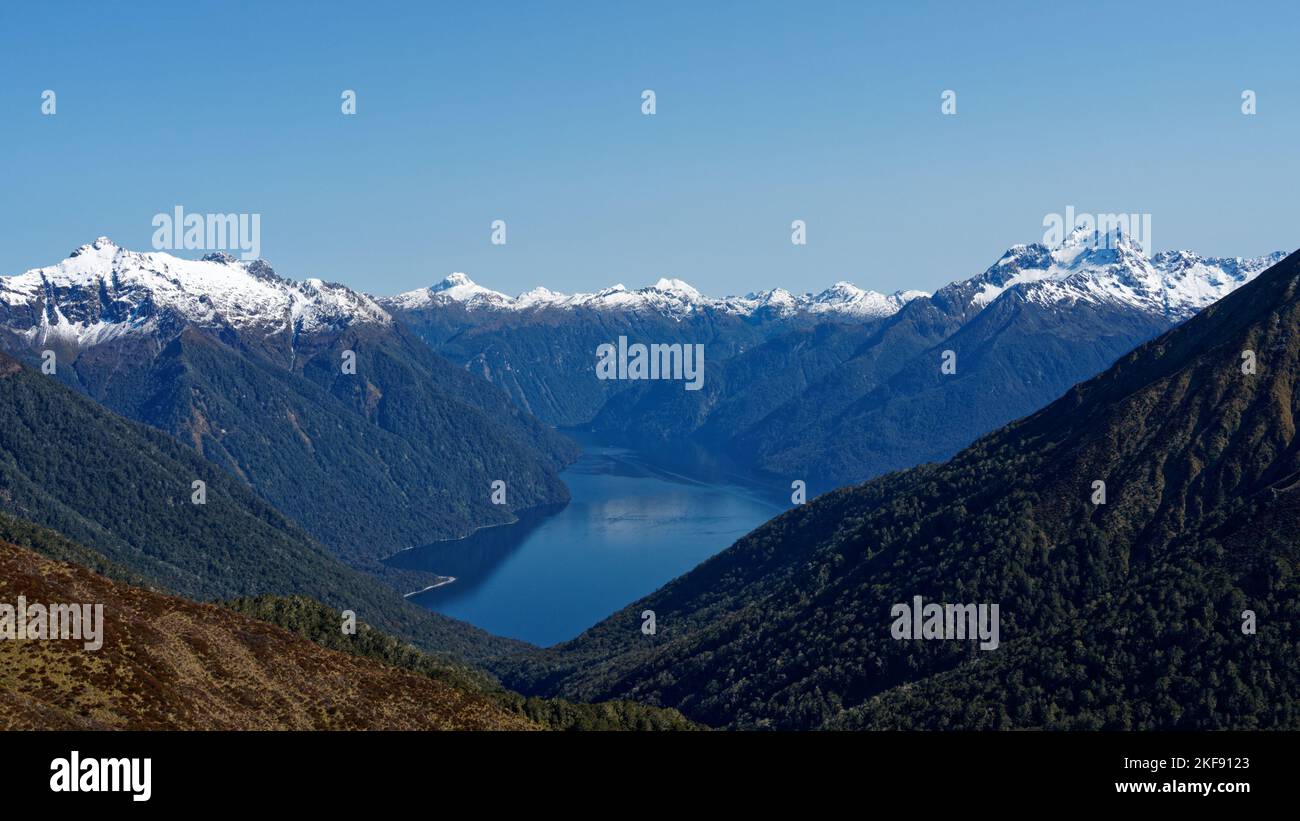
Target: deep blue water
636, 521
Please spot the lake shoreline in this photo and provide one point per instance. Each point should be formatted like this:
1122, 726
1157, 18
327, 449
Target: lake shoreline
519, 516
442, 581
635, 521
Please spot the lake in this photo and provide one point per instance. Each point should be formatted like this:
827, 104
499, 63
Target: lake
636, 521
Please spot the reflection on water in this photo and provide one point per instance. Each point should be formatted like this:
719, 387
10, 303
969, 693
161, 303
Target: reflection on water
636, 521
472, 559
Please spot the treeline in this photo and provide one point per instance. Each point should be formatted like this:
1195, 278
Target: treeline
324, 626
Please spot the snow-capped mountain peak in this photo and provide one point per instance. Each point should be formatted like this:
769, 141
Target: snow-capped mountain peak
677, 286
668, 296
1114, 246
1111, 267
100, 244
454, 288
778, 300
456, 280
846, 298
101, 292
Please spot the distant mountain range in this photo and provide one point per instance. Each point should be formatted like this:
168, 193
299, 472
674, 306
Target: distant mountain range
249, 369
540, 347
831, 388
1093, 265
1126, 613
840, 386
1165, 598
671, 297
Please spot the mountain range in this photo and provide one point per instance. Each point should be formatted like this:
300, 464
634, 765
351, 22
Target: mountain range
833, 395
671, 297
832, 388
308, 392
1167, 597
540, 347
1124, 611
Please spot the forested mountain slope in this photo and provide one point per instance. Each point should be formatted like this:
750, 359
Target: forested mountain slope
306, 391
126, 492
1125, 614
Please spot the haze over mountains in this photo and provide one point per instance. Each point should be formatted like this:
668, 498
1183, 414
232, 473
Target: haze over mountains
840, 386
1127, 611
667, 296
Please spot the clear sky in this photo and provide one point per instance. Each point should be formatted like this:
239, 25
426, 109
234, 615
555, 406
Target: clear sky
531, 113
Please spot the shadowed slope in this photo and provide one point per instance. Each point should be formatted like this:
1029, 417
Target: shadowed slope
1122, 615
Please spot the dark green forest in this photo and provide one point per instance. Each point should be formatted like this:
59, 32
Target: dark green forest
124, 491
314, 621
1122, 615
399, 454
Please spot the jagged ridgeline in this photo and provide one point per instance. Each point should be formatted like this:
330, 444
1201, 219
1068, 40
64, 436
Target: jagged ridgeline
540, 346
1169, 598
308, 392
840, 386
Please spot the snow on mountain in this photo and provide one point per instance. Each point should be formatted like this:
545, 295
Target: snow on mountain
676, 286
101, 292
1111, 267
847, 298
1087, 265
671, 297
455, 288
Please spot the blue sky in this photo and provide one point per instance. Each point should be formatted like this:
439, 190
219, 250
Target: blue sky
531, 113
